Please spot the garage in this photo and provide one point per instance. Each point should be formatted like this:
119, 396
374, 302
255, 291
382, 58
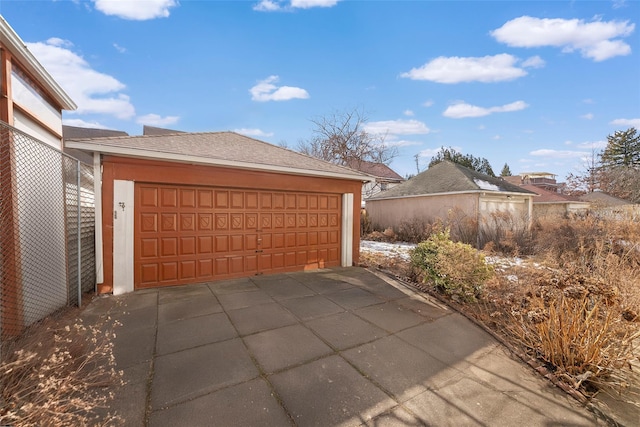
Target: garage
183, 208
187, 234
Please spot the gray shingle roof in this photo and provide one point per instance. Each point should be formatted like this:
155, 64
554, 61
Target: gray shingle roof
75, 132
215, 148
448, 177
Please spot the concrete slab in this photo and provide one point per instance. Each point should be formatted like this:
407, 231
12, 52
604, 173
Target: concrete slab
178, 310
237, 300
188, 374
176, 293
286, 289
318, 359
466, 402
193, 332
390, 316
312, 307
423, 307
399, 368
354, 298
260, 318
329, 392
449, 338
397, 417
345, 330
133, 346
232, 286
282, 348
247, 404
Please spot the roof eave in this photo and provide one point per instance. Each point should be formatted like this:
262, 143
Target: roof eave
182, 158
450, 193
25, 57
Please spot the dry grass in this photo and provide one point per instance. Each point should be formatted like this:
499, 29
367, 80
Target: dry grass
58, 374
574, 304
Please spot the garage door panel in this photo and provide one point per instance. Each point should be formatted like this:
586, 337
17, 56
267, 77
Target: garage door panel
169, 246
222, 244
169, 197
187, 245
187, 198
168, 271
205, 199
168, 222
149, 273
205, 222
187, 270
205, 268
149, 196
186, 234
149, 248
149, 223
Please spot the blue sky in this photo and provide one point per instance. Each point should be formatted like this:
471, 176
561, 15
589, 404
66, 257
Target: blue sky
537, 85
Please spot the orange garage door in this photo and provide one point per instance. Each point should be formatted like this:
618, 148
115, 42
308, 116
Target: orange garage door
186, 234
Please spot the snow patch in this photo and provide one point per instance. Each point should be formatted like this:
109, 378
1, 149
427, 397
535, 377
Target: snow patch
484, 185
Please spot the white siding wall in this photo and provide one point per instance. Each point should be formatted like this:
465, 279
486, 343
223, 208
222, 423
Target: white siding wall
28, 126
41, 211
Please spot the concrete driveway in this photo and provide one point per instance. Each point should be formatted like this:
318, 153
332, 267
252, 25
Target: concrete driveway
333, 347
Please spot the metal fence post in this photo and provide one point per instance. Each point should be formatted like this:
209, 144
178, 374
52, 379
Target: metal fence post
79, 232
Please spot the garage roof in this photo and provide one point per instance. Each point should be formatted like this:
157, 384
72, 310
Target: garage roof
227, 149
448, 177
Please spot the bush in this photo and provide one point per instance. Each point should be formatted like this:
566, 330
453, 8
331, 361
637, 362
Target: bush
455, 268
59, 375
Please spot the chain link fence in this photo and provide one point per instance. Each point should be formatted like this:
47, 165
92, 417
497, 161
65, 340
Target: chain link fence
47, 231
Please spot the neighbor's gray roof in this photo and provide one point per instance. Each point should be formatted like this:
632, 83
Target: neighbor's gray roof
449, 177
227, 149
603, 199
75, 132
153, 130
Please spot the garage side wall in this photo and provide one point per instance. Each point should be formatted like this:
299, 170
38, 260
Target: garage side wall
393, 212
151, 171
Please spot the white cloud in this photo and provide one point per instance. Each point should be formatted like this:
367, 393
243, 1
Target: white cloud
455, 69
430, 152
83, 124
266, 90
307, 4
592, 145
626, 122
267, 6
408, 113
91, 90
428, 103
397, 127
588, 116
253, 132
156, 120
558, 154
461, 109
136, 10
119, 48
497, 137
276, 5
533, 62
596, 40
401, 143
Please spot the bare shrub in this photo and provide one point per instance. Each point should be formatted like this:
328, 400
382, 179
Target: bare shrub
58, 375
366, 226
414, 230
463, 228
505, 232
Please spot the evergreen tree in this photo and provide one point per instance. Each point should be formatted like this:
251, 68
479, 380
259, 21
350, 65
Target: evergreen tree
478, 164
623, 149
506, 171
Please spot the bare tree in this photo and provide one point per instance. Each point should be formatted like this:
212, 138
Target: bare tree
341, 138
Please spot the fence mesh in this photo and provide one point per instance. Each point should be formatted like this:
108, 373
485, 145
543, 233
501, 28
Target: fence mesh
47, 230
